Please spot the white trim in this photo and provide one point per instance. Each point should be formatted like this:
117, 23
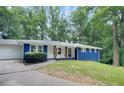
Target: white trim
42, 49
83, 50
33, 45
36, 47
90, 50
47, 42
95, 50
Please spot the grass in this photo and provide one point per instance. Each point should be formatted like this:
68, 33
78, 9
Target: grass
89, 73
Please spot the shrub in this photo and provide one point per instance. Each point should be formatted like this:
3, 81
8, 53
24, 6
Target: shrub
121, 56
35, 57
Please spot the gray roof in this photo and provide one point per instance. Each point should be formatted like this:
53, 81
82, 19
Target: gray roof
46, 42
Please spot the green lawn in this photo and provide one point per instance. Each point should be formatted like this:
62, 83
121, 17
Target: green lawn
95, 71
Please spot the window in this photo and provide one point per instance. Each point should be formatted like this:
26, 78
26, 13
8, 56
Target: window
33, 48
87, 49
40, 48
83, 49
59, 50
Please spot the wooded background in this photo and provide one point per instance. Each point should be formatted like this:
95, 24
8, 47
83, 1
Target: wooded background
98, 26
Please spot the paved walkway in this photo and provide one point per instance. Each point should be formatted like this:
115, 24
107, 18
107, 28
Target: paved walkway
34, 66
13, 73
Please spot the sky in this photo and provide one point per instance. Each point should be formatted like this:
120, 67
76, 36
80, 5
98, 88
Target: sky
66, 10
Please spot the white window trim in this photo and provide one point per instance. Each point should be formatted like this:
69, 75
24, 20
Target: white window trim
33, 45
95, 50
83, 50
36, 47
41, 49
90, 50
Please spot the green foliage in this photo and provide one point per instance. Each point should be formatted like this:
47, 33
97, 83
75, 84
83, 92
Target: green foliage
40, 21
85, 25
5, 20
35, 57
80, 20
93, 25
121, 51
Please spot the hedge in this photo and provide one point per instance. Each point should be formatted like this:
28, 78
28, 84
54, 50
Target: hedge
35, 57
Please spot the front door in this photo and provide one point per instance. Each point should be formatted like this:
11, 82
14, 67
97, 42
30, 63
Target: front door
69, 52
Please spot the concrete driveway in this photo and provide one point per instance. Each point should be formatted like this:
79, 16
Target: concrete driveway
14, 73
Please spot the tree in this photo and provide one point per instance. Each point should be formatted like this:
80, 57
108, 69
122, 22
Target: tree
40, 20
98, 26
62, 34
115, 41
93, 24
108, 15
121, 36
80, 21
53, 22
82, 25
15, 28
5, 20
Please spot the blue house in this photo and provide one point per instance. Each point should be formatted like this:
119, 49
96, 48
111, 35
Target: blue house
16, 49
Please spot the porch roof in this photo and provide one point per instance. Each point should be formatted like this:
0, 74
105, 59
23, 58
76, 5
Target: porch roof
47, 42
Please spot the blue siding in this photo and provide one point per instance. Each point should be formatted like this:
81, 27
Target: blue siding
26, 48
45, 49
89, 56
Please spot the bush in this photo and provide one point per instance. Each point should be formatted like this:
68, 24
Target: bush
35, 57
121, 56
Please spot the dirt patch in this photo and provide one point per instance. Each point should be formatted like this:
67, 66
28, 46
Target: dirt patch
59, 73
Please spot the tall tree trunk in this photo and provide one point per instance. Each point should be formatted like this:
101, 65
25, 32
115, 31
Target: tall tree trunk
122, 38
115, 43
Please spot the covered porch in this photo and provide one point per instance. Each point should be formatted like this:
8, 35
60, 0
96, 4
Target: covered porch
61, 52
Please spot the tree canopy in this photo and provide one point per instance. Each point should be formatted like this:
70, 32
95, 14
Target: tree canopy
98, 26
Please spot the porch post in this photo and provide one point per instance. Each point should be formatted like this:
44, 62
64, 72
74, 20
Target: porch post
66, 52
55, 52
